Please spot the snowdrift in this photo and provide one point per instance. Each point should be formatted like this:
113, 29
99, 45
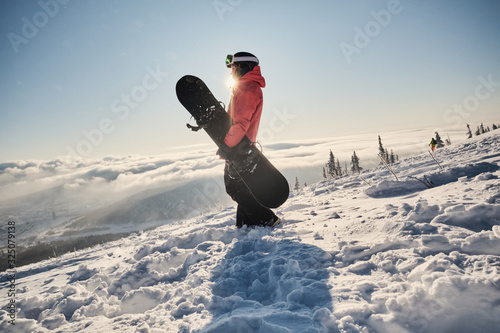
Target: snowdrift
392, 256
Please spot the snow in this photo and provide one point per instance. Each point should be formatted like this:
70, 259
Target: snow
392, 256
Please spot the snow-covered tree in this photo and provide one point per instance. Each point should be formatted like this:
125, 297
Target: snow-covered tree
439, 141
297, 184
381, 151
330, 166
392, 157
469, 132
385, 155
355, 163
447, 141
338, 169
332, 169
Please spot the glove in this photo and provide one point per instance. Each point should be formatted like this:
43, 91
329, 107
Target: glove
225, 152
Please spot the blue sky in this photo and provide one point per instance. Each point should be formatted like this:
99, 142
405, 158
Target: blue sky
97, 78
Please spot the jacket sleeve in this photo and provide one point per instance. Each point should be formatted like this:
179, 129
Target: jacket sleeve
243, 105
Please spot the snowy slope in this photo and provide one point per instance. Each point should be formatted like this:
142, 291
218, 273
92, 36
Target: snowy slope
354, 254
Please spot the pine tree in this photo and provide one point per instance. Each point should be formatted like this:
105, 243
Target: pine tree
469, 132
478, 131
392, 157
482, 129
381, 151
338, 169
324, 174
495, 127
355, 163
439, 142
447, 141
297, 184
330, 166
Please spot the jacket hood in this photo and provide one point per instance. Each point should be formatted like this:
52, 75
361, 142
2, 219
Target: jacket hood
254, 75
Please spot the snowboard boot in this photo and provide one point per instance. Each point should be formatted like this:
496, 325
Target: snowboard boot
274, 222
240, 220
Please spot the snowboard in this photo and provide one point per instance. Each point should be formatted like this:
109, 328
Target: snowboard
268, 186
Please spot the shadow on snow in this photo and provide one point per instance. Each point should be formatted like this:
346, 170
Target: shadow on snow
269, 285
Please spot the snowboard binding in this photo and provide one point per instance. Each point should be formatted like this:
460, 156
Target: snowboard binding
205, 119
246, 159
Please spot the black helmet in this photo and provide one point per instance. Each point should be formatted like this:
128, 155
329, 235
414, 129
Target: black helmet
247, 61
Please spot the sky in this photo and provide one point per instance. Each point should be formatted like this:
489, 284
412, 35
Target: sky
97, 78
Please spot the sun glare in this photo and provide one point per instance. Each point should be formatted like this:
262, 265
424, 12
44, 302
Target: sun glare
230, 82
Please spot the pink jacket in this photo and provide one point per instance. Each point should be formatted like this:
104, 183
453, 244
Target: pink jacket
245, 107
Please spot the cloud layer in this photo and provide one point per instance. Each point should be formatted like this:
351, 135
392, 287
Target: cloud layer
116, 177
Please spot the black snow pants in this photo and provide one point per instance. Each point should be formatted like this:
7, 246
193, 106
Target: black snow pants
249, 211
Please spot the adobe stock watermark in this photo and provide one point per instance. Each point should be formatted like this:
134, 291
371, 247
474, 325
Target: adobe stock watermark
461, 111
222, 7
372, 29
203, 196
278, 123
121, 106
31, 26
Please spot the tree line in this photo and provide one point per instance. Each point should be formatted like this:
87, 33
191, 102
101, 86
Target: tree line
333, 168
481, 129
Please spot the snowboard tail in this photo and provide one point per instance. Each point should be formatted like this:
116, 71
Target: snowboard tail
268, 186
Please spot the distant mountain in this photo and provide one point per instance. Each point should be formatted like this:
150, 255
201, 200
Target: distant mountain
153, 205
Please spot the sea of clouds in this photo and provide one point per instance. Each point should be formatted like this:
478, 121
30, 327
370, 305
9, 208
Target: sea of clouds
116, 177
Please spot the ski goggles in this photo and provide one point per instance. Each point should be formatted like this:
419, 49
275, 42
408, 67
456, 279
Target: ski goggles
230, 60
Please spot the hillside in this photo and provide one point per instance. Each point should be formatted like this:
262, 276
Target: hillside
353, 254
